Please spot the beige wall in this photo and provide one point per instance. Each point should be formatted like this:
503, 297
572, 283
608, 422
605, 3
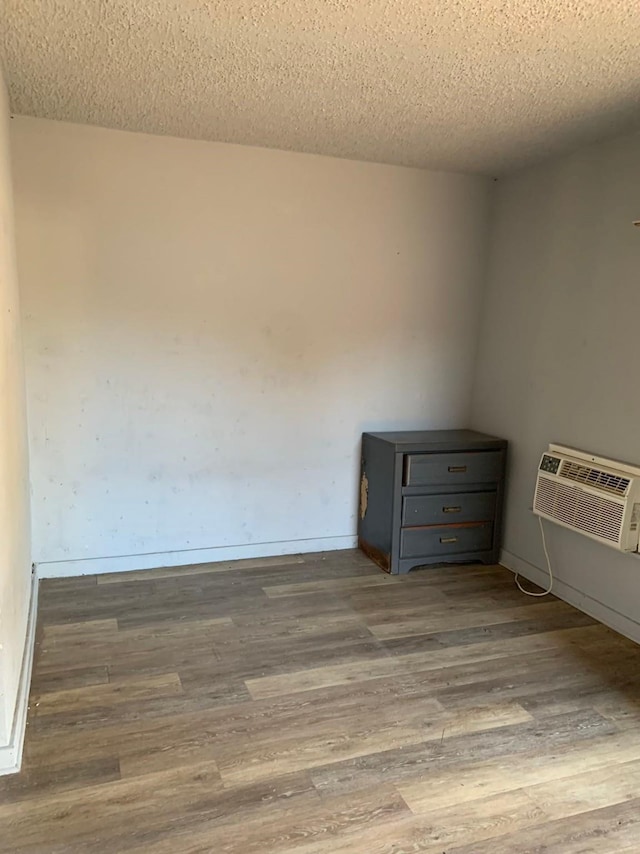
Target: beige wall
15, 561
209, 328
558, 352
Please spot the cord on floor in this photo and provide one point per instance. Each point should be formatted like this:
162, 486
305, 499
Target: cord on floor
546, 554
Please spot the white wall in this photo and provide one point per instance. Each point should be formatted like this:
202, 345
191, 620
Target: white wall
15, 560
210, 327
558, 359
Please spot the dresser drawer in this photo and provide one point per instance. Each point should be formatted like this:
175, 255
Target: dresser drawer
445, 540
448, 509
460, 468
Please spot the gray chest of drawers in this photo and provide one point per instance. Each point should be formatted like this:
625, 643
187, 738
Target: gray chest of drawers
431, 496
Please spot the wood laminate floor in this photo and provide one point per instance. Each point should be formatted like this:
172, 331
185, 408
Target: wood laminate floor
314, 705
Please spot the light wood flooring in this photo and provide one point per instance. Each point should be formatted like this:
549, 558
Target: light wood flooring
315, 705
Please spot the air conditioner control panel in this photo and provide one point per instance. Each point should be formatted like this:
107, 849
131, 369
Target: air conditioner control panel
549, 464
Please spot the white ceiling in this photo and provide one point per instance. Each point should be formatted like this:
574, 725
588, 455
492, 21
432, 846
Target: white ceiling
471, 85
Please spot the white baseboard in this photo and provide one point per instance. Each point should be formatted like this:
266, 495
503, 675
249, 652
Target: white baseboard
593, 607
186, 557
11, 753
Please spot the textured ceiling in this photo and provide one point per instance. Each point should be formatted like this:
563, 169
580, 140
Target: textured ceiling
470, 85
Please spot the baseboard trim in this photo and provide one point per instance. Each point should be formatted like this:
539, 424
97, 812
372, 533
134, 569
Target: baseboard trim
11, 753
187, 557
593, 607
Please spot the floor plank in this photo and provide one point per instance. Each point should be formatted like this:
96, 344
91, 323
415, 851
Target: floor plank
451, 620
310, 679
471, 781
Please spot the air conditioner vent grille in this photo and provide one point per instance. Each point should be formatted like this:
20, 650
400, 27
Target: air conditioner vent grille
582, 510
606, 481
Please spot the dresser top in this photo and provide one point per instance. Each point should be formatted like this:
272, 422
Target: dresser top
438, 440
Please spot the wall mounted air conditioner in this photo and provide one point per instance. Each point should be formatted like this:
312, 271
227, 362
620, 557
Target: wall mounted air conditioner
595, 496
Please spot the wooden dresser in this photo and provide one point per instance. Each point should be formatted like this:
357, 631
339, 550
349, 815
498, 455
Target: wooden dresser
431, 496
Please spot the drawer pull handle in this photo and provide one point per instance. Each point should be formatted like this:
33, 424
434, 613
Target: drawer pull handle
448, 539
456, 469
451, 509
